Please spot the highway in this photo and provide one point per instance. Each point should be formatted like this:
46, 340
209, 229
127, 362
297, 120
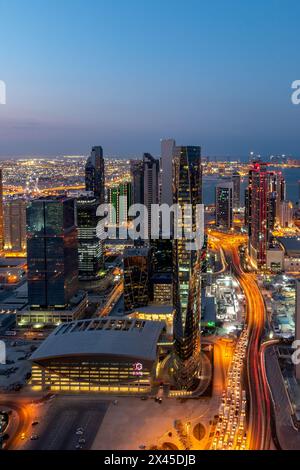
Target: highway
258, 437
113, 298
25, 412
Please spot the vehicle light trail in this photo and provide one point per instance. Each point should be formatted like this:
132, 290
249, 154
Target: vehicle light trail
260, 408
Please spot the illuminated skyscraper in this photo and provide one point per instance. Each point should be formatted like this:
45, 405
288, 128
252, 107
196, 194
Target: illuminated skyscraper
261, 201
90, 247
137, 177
224, 205
1, 213
94, 174
137, 275
120, 197
151, 185
15, 225
52, 252
236, 180
187, 189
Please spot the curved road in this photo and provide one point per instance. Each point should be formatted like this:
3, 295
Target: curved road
260, 404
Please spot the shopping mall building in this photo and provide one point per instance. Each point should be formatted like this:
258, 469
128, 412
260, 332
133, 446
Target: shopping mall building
108, 355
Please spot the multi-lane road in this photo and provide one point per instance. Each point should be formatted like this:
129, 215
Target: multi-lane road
260, 407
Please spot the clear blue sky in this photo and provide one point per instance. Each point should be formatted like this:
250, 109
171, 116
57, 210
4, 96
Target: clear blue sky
125, 73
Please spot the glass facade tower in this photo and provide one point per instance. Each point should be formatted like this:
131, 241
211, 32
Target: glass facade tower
94, 174
187, 190
90, 247
52, 252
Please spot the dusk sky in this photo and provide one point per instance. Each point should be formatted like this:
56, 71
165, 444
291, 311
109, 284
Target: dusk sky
124, 74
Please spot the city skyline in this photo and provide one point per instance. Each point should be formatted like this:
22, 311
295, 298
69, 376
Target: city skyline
149, 229
71, 78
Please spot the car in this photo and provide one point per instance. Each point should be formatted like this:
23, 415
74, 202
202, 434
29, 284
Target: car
79, 432
34, 423
81, 441
34, 437
23, 436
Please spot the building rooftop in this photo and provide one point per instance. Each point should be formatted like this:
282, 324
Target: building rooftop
102, 337
291, 245
155, 309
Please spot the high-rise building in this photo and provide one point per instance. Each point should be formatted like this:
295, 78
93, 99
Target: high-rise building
187, 189
120, 197
236, 180
52, 252
167, 152
151, 185
15, 225
94, 174
224, 205
137, 276
286, 211
247, 216
1, 212
137, 177
278, 187
261, 213
90, 247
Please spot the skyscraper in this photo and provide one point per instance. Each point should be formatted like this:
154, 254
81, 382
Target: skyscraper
137, 275
94, 174
167, 152
1, 212
236, 180
260, 212
224, 205
120, 197
52, 252
187, 189
137, 178
151, 185
15, 225
90, 247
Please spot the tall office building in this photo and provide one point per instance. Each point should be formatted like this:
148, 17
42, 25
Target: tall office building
167, 152
90, 247
120, 197
278, 187
52, 252
15, 225
151, 185
137, 276
1, 212
94, 174
286, 211
224, 205
261, 212
137, 178
236, 180
187, 189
